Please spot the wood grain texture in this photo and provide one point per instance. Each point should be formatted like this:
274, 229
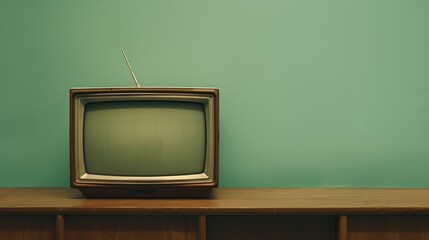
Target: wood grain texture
59, 227
271, 227
24, 227
388, 227
342, 228
202, 227
352, 214
130, 227
224, 201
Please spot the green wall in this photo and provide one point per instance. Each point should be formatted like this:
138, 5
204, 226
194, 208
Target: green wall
313, 93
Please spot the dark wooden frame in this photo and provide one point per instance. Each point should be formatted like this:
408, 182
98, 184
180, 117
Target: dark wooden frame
341, 214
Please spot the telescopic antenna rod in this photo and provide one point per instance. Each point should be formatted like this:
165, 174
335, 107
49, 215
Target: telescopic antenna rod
131, 70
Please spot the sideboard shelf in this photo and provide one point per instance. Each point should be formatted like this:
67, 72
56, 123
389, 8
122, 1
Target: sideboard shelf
230, 213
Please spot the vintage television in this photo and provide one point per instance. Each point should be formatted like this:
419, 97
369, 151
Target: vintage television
144, 142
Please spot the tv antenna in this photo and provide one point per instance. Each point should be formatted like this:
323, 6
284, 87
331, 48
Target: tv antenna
131, 70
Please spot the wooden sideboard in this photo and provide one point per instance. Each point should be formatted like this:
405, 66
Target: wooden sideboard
229, 214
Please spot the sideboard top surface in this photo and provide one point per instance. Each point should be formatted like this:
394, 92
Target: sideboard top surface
223, 201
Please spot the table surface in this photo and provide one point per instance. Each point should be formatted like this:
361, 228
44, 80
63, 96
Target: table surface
223, 201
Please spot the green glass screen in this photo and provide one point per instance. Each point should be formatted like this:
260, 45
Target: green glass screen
144, 138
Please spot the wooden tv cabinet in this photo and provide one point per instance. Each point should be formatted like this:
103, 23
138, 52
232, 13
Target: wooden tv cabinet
304, 214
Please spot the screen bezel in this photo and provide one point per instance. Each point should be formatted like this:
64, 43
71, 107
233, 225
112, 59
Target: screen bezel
80, 97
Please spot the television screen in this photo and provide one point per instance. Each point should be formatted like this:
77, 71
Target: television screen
144, 141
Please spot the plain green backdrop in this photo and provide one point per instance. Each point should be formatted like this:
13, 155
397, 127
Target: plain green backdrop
314, 93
